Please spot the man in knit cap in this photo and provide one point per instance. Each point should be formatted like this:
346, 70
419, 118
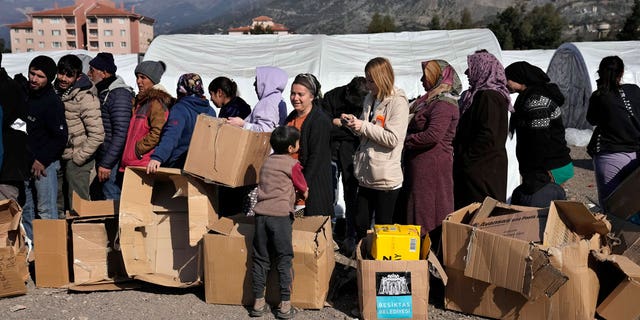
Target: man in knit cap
151, 109
116, 102
84, 121
47, 137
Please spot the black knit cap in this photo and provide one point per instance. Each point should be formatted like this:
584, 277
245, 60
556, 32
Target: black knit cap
104, 62
46, 65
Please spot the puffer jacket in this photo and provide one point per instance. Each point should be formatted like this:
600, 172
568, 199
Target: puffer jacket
149, 117
377, 160
116, 103
84, 121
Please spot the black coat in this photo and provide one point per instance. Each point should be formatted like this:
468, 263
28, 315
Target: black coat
116, 103
615, 130
315, 157
46, 126
15, 166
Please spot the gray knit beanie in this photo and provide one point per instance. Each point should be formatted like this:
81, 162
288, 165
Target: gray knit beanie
152, 69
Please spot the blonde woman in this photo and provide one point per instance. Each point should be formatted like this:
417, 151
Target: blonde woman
382, 128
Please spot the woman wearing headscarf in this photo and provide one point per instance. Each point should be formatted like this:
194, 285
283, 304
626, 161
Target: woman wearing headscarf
315, 147
480, 156
541, 148
174, 142
428, 147
382, 128
614, 109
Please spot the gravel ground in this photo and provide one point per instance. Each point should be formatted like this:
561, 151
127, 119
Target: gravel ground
154, 302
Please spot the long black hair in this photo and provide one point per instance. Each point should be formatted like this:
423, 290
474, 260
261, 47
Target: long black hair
228, 86
610, 71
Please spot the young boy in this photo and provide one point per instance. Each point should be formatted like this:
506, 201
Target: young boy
280, 178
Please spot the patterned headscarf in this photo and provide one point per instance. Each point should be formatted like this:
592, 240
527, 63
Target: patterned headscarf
485, 73
190, 84
438, 73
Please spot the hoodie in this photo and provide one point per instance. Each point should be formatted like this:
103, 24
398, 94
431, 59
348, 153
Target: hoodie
84, 121
177, 132
271, 110
116, 102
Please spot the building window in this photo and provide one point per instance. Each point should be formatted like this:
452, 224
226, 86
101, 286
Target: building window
56, 44
71, 32
17, 40
108, 33
93, 20
108, 44
93, 32
93, 44
123, 32
70, 20
29, 41
121, 20
106, 20
28, 30
123, 44
41, 44
55, 32
71, 44
40, 32
38, 20
55, 20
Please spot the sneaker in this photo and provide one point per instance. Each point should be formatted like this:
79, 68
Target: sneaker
260, 307
286, 310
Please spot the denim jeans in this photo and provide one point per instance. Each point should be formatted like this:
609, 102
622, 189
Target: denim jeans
41, 196
109, 189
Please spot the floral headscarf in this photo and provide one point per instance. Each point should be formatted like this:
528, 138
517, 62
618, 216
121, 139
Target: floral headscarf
442, 83
190, 84
485, 73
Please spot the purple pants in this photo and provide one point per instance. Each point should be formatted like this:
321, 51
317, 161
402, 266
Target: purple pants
611, 169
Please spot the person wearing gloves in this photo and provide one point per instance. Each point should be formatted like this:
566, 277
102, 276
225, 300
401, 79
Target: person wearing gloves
150, 113
271, 110
116, 102
176, 135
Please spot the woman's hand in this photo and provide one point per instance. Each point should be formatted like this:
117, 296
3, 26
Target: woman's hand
235, 121
153, 166
351, 121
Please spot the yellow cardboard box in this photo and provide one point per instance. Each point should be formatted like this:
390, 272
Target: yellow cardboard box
396, 242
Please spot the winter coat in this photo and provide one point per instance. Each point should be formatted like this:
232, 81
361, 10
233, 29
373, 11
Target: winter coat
616, 131
46, 126
237, 107
84, 121
116, 102
315, 157
377, 160
149, 116
270, 111
177, 132
13, 100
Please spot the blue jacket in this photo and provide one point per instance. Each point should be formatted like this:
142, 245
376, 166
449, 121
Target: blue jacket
46, 126
177, 132
116, 103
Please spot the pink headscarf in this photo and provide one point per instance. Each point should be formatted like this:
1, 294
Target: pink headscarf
485, 73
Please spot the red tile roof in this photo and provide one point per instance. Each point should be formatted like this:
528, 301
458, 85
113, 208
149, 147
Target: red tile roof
64, 11
279, 27
262, 18
107, 11
22, 25
240, 29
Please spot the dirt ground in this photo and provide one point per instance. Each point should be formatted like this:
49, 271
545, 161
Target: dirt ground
154, 302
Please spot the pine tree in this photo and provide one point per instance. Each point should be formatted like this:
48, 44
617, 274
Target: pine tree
435, 23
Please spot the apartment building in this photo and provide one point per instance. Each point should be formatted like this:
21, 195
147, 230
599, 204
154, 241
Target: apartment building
94, 25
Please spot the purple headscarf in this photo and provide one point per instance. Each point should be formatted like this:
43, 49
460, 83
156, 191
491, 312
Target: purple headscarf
485, 73
190, 84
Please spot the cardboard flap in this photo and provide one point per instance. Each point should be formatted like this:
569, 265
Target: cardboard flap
484, 211
10, 215
86, 208
570, 221
11, 282
623, 202
433, 260
542, 278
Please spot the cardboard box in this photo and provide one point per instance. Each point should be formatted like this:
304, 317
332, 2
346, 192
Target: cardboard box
625, 239
228, 262
86, 208
524, 225
620, 278
396, 242
51, 253
624, 202
13, 251
226, 154
163, 217
557, 267
393, 289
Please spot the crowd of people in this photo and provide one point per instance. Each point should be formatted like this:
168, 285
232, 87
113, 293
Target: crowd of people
415, 162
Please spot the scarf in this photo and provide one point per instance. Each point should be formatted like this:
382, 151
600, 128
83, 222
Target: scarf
441, 83
485, 72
